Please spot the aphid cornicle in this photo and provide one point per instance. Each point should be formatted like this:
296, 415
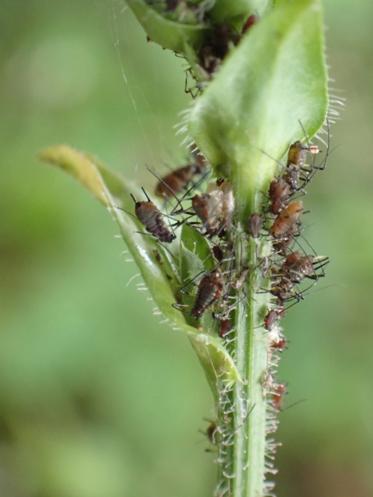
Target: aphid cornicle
152, 219
210, 289
287, 219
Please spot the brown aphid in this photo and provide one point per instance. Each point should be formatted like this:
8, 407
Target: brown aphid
218, 253
283, 290
209, 291
272, 317
249, 23
279, 343
297, 266
177, 180
279, 193
152, 219
279, 391
225, 326
287, 219
211, 432
215, 208
255, 224
298, 152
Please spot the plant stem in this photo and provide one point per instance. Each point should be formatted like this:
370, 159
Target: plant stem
244, 467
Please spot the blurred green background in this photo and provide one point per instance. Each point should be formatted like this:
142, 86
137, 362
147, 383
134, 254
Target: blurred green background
97, 398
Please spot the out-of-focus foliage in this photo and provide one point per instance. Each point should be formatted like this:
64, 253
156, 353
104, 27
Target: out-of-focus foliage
96, 396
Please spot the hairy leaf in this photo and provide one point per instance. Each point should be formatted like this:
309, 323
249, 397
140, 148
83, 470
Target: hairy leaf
273, 81
113, 192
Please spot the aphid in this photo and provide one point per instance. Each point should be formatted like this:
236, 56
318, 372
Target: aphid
272, 317
216, 46
279, 193
255, 224
278, 343
211, 432
297, 266
297, 153
209, 291
283, 290
287, 219
153, 220
225, 326
215, 208
177, 180
279, 391
218, 253
249, 23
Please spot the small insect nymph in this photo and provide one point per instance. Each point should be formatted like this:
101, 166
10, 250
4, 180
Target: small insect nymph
209, 291
153, 220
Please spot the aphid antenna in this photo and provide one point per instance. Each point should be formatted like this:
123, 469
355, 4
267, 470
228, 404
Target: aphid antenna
133, 198
307, 138
182, 289
164, 184
278, 162
146, 195
193, 186
296, 403
124, 210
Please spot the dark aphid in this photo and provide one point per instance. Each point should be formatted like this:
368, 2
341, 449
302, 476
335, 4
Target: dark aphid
176, 181
255, 224
152, 219
279, 391
297, 266
216, 46
209, 291
249, 23
225, 326
287, 219
283, 290
279, 193
218, 252
272, 317
211, 432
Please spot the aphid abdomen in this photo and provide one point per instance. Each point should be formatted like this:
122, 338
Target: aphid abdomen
209, 291
176, 181
287, 219
149, 215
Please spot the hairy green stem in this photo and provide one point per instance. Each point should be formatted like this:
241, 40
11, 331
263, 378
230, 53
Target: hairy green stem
244, 467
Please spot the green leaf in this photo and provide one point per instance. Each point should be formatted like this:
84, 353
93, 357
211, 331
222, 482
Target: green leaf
113, 191
239, 10
168, 33
275, 79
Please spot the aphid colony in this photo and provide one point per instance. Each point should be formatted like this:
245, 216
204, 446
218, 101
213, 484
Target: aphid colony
208, 207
